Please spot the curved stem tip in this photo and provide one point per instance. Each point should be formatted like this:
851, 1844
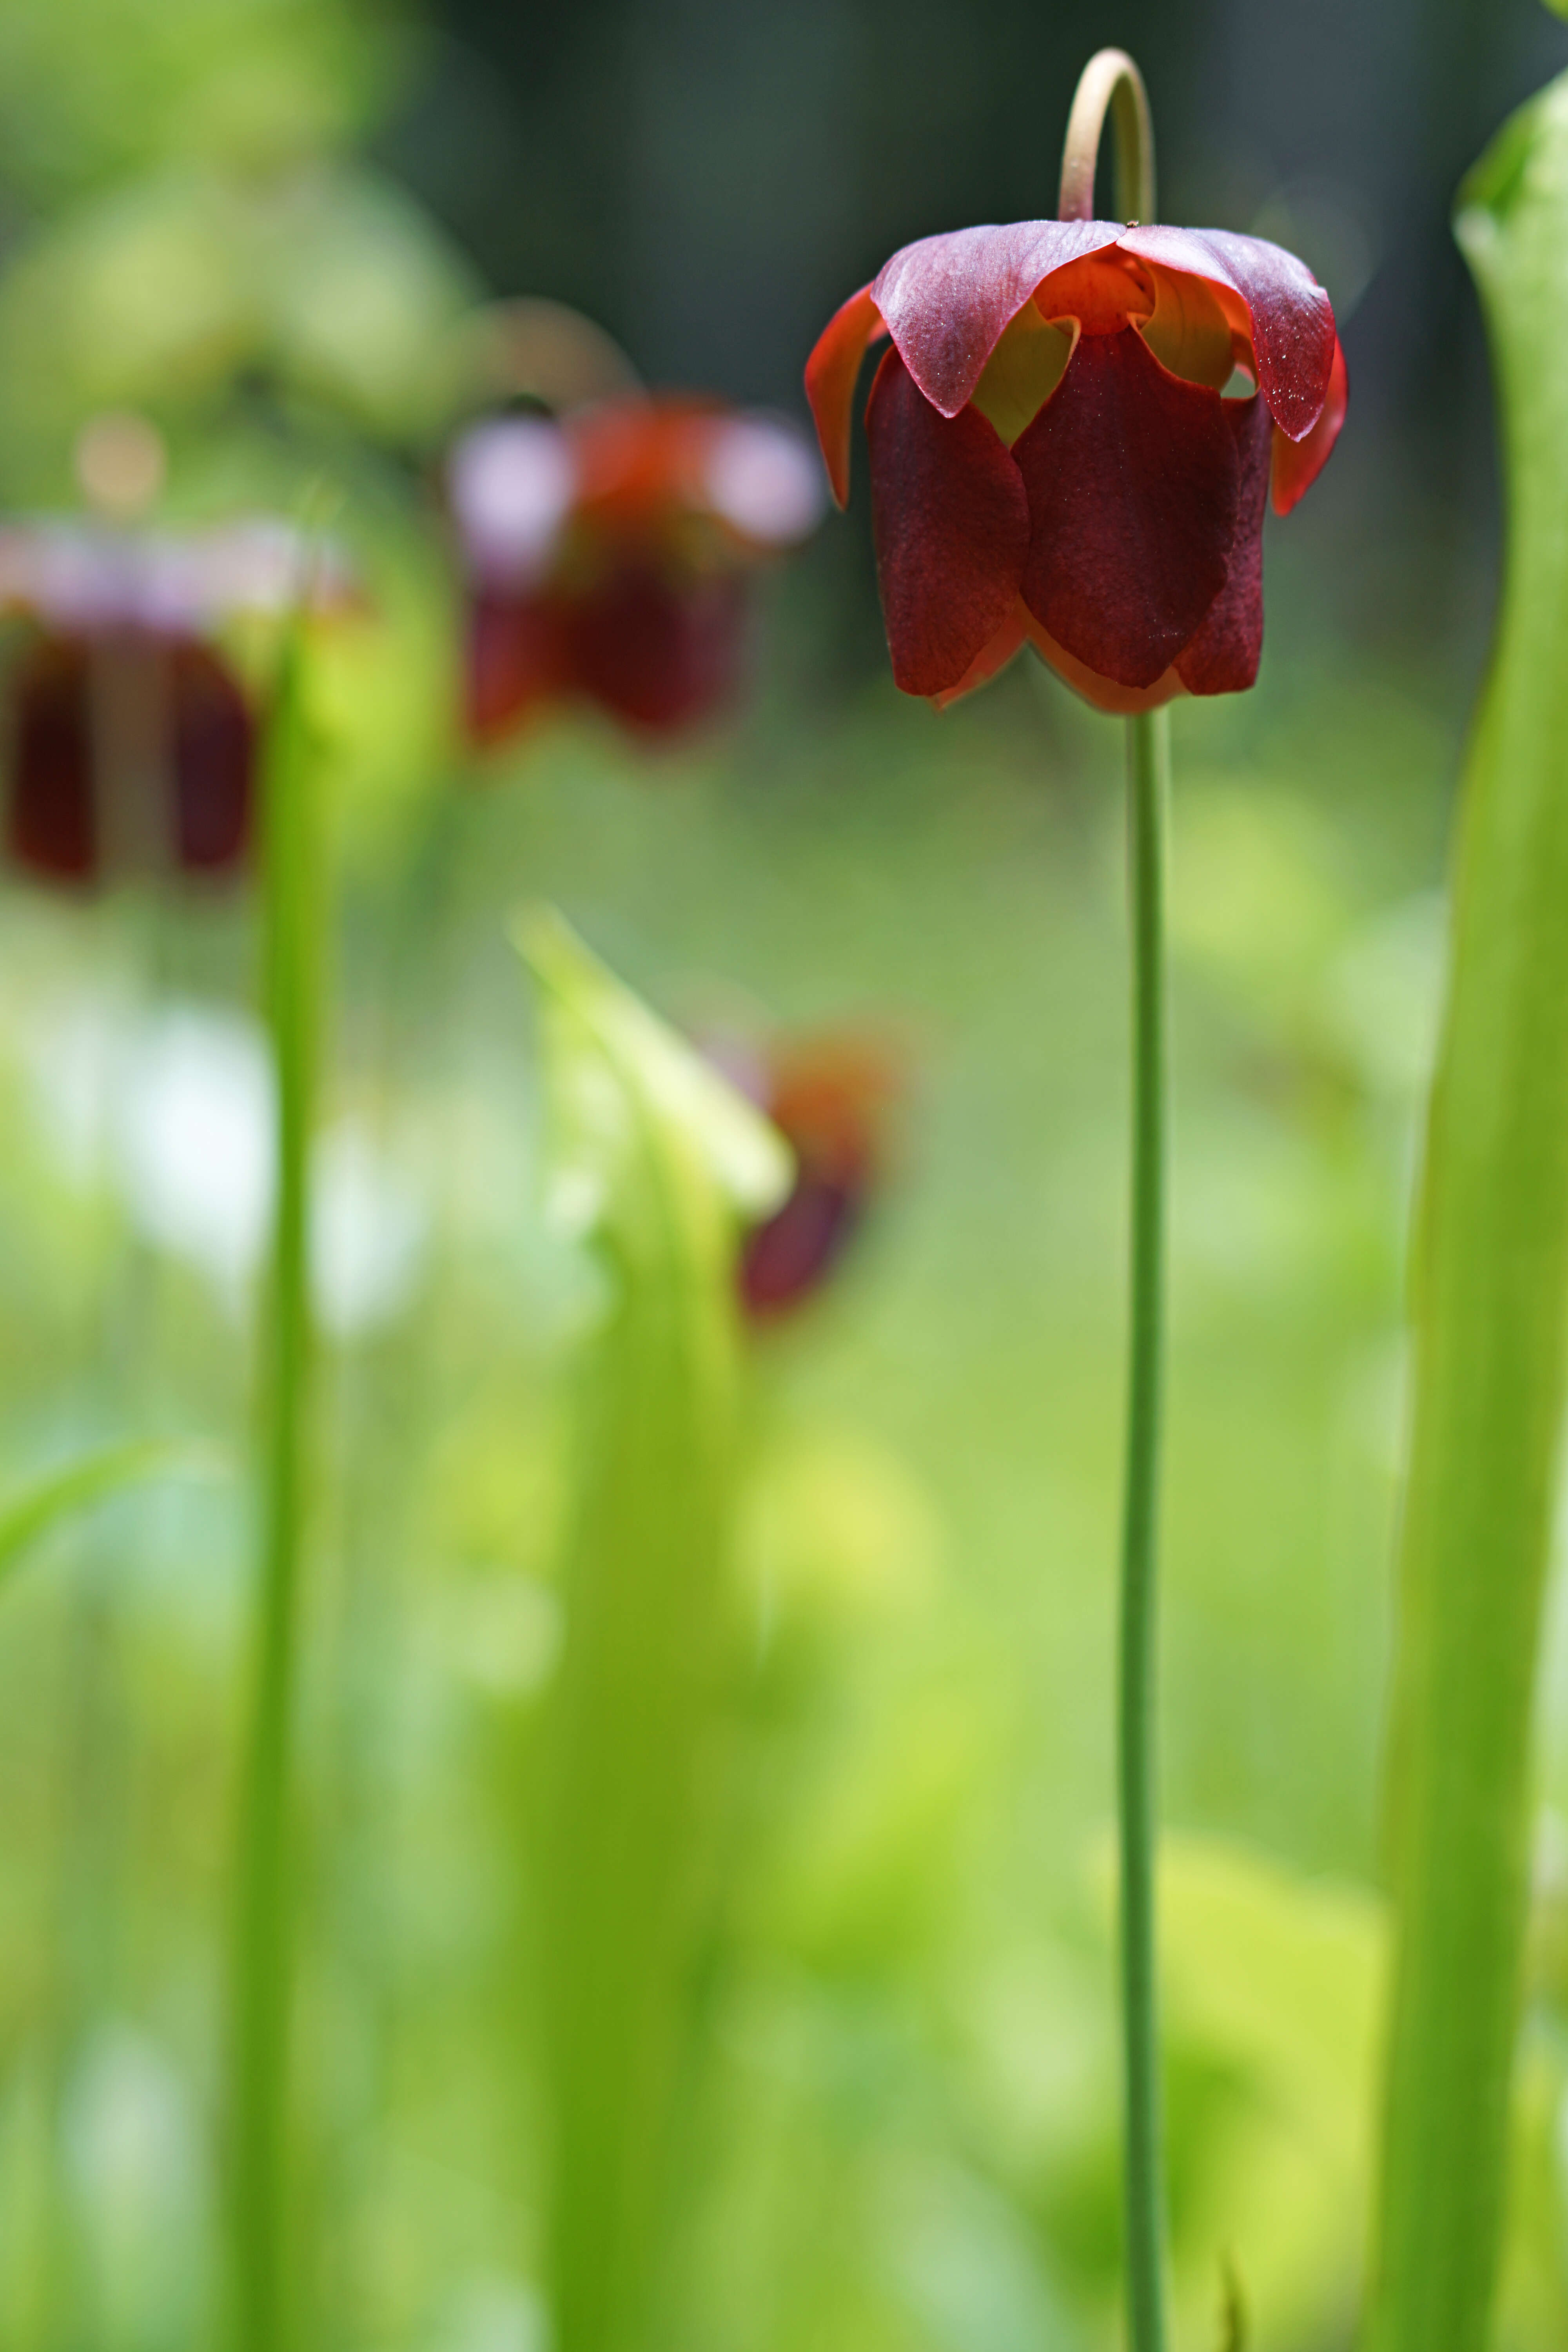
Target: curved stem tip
1109, 84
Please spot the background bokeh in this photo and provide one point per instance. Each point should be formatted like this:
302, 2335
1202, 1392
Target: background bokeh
264, 223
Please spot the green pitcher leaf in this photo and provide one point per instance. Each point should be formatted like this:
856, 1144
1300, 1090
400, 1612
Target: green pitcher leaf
615, 1071
1489, 1292
657, 1161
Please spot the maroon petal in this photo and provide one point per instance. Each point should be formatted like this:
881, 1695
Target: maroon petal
1292, 318
947, 298
1132, 479
660, 653
213, 760
512, 660
993, 657
782, 1261
1298, 464
1101, 693
51, 823
830, 375
950, 522
1223, 656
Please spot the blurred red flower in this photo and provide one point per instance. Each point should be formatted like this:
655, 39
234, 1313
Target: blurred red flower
606, 554
829, 1096
131, 744
1060, 455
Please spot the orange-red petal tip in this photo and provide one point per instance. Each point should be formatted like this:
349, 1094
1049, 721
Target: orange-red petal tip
1298, 464
830, 375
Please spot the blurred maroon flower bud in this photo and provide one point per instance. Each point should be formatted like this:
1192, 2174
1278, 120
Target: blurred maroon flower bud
606, 554
829, 1097
1057, 458
130, 743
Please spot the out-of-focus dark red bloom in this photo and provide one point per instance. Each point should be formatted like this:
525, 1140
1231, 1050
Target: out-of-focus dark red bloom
829, 1097
1057, 458
607, 552
131, 745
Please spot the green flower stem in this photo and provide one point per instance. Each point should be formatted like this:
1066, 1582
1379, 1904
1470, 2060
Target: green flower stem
262, 1953
1148, 776
1111, 85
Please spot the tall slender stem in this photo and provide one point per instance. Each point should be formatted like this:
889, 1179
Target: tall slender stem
1148, 778
1111, 84
264, 1920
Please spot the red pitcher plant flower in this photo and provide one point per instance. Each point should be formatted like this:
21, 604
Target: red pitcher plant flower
1072, 439
131, 741
829, 1096
607, 553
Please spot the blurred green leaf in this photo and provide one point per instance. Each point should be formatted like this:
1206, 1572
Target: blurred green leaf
103, 88
654, 1159
325, 283
58, 1495
633, 1103
1490, 1337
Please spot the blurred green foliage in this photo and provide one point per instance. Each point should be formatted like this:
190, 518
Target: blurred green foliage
96, 93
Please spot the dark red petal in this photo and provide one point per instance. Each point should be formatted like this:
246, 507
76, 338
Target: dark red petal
1223, 657
1103, 693
947, 298
1292, 318
830, 375
213, 762
513, 661
657, 651
784, 1260
951, 525
1131, 477
1298, 464
51, 822
993, 657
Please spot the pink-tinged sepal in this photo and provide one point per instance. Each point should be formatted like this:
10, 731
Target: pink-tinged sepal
1291, 319
1298, 464
1132, 479
1224, 655
951, 521
947, 299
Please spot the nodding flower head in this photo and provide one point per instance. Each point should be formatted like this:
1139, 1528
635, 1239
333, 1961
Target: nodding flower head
131, 742
1072, 439
606, 554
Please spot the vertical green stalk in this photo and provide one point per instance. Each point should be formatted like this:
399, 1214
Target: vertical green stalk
1148, 778
1111, 85
261, 1983
1489, 1358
